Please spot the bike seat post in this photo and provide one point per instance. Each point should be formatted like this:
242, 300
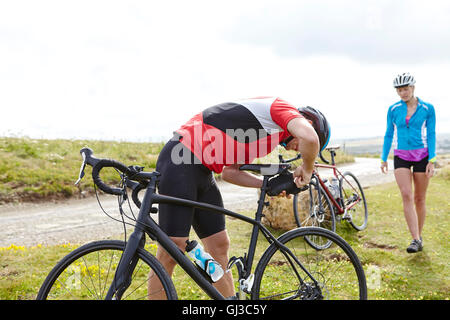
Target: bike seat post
333, 154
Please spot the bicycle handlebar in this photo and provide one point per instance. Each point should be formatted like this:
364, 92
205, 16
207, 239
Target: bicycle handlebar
299, 157
280, 157
98, 165
103, 163
131, 172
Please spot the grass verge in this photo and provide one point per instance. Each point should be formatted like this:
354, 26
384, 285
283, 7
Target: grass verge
33, 170
42, 170
391, 272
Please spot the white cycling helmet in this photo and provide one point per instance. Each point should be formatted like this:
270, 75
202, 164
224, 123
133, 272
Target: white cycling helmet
404, 79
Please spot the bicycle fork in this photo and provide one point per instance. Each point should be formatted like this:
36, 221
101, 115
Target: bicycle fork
127, 263
130, 257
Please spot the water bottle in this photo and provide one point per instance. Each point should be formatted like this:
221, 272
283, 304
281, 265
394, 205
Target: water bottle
334, 188
204, 260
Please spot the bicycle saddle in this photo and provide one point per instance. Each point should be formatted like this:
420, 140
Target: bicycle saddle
334, 147
266, 169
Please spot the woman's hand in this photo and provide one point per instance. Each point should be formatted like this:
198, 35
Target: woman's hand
384, 167
429, 171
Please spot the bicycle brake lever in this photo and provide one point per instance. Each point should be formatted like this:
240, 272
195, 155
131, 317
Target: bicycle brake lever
83, 165
88, 158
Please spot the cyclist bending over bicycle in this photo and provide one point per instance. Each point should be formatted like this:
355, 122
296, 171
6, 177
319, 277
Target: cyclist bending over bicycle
220, 139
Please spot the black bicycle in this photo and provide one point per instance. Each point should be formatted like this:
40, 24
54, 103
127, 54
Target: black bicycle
288, 269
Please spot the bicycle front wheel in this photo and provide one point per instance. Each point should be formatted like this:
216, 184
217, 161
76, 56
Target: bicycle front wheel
315, 211
305, 273
354, 201
87, 273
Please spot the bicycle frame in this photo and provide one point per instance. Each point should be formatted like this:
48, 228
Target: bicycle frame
340, 209
336, 173
145, 224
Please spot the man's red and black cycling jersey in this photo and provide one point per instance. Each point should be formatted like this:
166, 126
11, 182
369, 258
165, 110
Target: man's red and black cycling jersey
237, 131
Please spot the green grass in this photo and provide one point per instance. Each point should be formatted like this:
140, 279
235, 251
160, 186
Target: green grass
32, 170
39, 169
382, 246
391, 272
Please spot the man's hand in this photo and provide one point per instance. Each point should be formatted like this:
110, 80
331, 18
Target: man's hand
302, 176
282, 185
284, 194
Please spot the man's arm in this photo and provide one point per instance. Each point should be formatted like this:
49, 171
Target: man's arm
233, 175
308, 146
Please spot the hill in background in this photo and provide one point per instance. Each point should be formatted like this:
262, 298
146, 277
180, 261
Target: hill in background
373, 146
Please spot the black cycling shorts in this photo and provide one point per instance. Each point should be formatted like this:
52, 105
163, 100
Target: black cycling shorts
192, 181
418, 166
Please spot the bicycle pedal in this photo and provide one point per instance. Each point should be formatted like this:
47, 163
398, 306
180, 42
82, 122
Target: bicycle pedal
347, 217
246, 285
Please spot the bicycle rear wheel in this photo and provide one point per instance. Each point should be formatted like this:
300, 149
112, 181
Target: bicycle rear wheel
334, 273
354, 201
316, 211
87, 273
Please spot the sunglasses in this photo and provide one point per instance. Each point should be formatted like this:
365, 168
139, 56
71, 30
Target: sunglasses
286, 141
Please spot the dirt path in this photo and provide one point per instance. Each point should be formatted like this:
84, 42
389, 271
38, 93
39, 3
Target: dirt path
79, 221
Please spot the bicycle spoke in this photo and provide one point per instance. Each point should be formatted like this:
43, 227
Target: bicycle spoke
109, 269
90, 277
76, 277
330, 272
354, 201
65, 288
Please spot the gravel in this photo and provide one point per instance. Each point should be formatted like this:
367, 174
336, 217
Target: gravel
82, 220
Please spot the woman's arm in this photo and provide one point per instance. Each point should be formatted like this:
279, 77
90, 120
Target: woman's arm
431, 134
388, 137
431, 141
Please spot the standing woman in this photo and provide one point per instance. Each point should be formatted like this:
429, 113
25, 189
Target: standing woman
411, 124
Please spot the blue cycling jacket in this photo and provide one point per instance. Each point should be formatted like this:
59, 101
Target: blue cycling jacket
419, 133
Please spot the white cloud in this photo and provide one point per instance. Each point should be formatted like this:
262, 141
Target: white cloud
401, 32
138, 69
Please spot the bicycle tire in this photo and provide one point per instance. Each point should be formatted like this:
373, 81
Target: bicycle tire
70, 280
337, 270
316, 217
358, 218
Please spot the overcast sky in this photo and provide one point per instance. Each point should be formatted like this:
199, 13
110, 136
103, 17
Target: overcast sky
137, 70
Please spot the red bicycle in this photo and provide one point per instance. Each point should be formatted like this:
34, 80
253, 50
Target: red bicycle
337, 199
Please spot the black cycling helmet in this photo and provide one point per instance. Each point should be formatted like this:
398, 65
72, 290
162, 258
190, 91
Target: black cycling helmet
319, 123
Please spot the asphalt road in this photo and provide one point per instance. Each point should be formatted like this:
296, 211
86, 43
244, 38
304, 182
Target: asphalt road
82, 220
